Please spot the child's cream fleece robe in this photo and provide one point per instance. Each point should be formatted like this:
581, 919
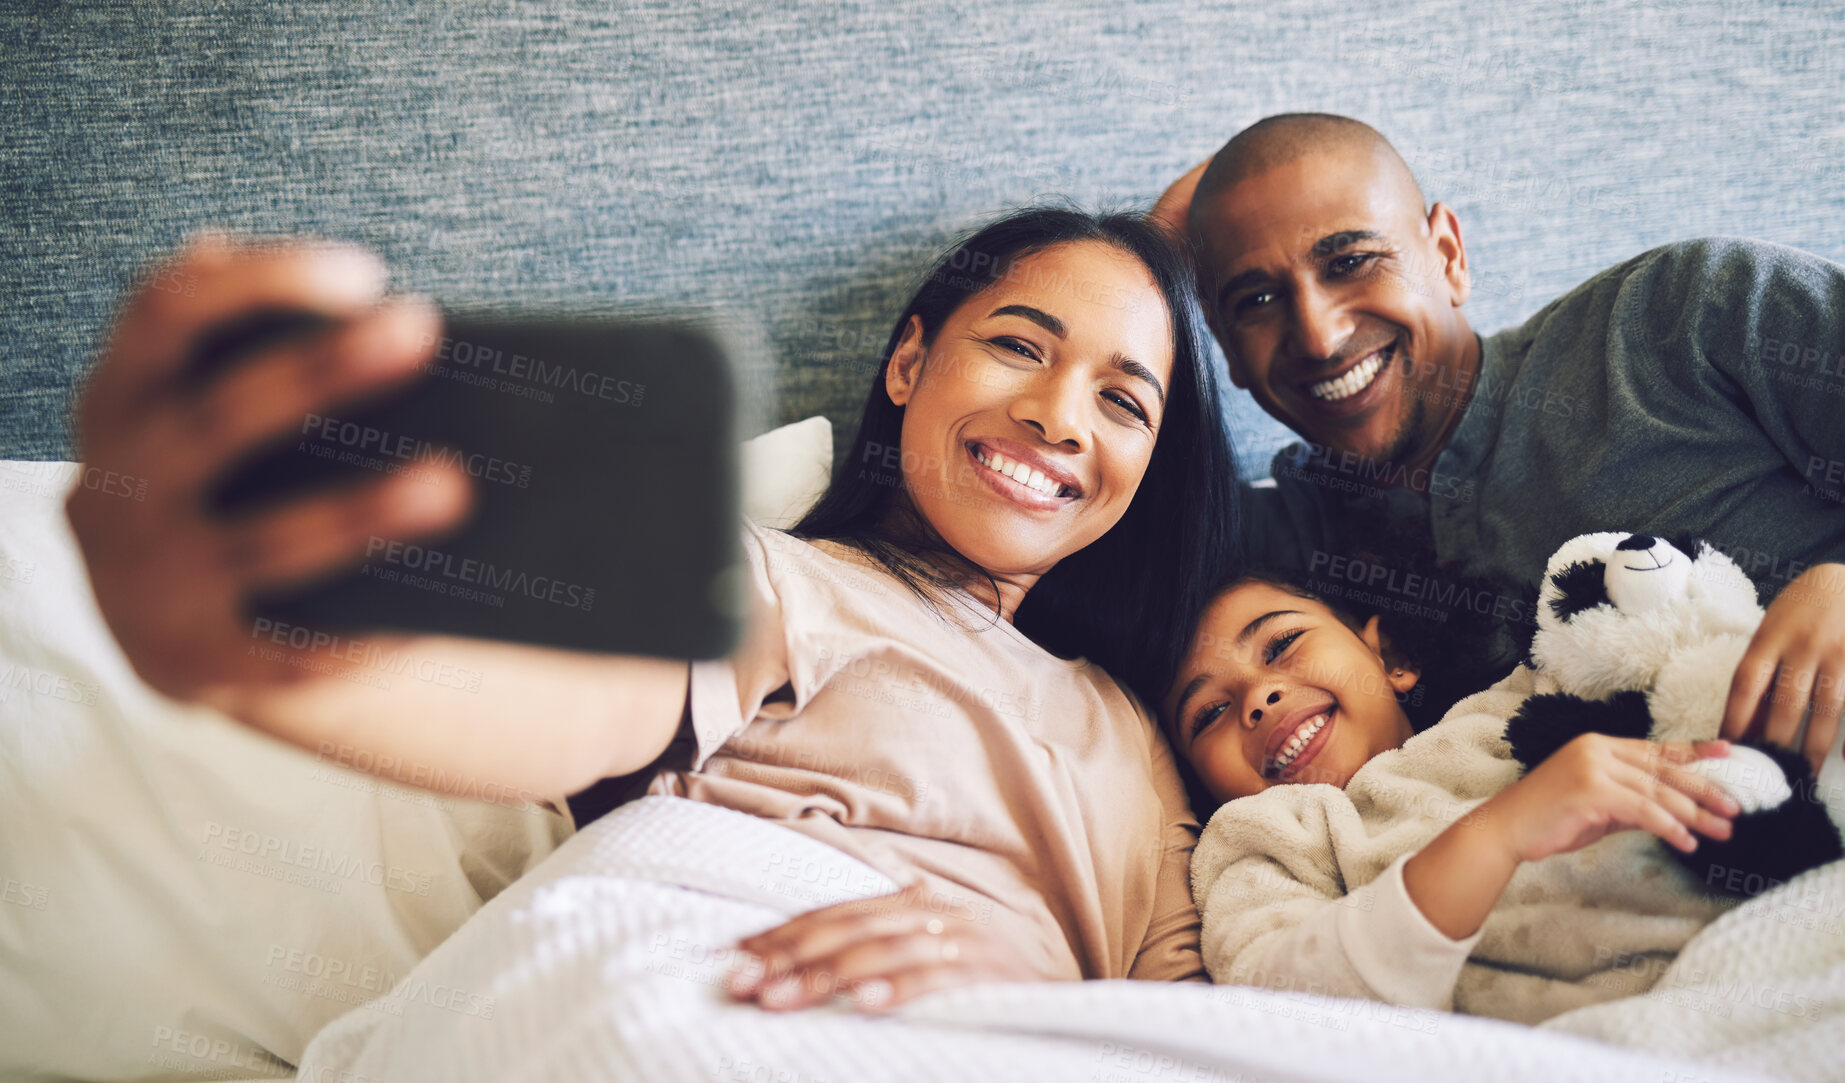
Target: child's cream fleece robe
1301, 888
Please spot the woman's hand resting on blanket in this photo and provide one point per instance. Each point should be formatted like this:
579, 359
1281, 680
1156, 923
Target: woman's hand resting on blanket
1590, 788
877, 952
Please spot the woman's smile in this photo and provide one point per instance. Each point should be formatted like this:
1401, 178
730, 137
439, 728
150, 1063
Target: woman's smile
1017, 474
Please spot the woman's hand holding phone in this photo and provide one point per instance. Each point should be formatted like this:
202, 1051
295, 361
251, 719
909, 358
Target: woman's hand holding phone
170, 577
173, 580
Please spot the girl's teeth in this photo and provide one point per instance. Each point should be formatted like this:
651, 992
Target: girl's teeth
1351, 383
1299, 741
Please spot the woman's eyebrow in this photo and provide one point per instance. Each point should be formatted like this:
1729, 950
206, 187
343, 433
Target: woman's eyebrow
1055, 326
1133, 368
1036, 315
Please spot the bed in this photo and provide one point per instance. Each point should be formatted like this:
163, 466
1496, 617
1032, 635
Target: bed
188, 899
182, 899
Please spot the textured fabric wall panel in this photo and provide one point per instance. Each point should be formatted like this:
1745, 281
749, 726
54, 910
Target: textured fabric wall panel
799, 163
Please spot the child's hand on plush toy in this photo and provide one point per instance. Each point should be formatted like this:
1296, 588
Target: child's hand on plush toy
1640, 637
1591, 787
1796, 659
1596, 785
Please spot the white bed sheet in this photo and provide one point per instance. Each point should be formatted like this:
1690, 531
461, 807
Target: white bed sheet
606, 962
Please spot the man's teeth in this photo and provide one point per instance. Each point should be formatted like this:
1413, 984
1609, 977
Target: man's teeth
1027, 476
1301, 737
1355, 380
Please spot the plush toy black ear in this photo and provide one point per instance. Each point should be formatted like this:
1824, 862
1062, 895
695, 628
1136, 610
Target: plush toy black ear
1689, 544
1543, 724
1582, 585
1767, 849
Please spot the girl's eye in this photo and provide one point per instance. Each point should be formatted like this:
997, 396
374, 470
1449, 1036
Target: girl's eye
1127, 404
1279, 644
1207, 715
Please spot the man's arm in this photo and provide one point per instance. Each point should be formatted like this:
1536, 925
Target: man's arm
1772, 320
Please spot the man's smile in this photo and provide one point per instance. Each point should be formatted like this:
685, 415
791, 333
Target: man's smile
1349, 383
1354, 389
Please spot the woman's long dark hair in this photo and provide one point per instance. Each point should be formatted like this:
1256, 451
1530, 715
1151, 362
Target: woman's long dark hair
1125, 600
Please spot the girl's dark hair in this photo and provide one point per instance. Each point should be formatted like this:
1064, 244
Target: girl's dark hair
1119, 601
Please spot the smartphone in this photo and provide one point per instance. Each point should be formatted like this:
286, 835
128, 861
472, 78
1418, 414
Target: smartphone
603, 459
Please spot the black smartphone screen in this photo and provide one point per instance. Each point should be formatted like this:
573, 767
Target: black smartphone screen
603, 456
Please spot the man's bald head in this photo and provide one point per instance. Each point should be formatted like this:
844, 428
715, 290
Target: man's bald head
1335, 291
1285, 138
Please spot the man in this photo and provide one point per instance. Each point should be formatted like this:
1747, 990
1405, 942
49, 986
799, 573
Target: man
1697, 389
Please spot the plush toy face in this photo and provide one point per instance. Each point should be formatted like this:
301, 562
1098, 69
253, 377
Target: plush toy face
1614, 608
1640, 638
1645, 573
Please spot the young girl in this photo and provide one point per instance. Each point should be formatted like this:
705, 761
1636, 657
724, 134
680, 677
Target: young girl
1356, 857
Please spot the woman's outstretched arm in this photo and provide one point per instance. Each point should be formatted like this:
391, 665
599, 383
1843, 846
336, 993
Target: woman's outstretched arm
531, 720
172, 580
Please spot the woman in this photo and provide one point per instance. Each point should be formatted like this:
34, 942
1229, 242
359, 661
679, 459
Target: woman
1062, 486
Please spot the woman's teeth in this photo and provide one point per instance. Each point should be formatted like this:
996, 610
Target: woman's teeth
1027, 476
1290, 751
1355, 380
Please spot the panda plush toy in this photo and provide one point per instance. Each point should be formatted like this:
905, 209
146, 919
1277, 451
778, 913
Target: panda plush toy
1639, 637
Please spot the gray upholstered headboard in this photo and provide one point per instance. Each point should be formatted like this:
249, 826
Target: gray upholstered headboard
798, 163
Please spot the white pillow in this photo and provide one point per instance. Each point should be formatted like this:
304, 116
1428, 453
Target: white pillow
785, 471
183, 897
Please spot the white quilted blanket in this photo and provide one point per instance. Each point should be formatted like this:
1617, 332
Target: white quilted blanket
1762, 988
605, 963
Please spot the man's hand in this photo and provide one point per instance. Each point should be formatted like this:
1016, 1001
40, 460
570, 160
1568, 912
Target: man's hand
1795, 662
1175, 206
879, 952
